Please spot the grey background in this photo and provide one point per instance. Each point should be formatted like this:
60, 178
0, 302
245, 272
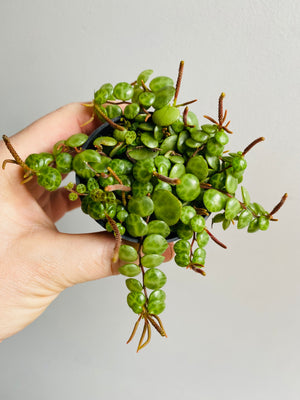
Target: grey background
234, 334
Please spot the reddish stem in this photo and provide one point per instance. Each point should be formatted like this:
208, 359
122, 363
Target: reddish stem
279, 205
215, 239
252, 144
178, 83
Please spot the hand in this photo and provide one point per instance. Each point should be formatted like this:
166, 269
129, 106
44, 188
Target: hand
38, 262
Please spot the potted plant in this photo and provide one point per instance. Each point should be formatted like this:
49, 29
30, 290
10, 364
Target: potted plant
151, 174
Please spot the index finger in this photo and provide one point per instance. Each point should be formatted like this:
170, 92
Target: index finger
42, 134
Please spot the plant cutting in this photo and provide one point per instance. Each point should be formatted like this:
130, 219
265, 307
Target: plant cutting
151, 174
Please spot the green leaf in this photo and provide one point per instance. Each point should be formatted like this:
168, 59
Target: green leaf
253, 226
226, 224
245, 195
144, 76
218, 218
231, 184
232, 208
244, 219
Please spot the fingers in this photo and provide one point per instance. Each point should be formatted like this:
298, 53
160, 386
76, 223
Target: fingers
42, 134
63, 260
57, 203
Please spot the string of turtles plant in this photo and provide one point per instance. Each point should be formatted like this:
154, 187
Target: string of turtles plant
155, 175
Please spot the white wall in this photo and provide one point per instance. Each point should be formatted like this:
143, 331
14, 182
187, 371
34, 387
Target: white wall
235, 333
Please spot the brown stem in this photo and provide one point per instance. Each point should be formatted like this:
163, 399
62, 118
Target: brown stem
201, 211
160, 328
279, 205
136, 325
178, 83
224, 116
155, 324
105, 117
220, 109
144, 86
96, 173
252, 144
142, 336
118, 237
8, 162
112, 172
184, 117
88, 121
111, 188
226, 129
197, 151
211, 119
148, 329
163, 178
187, 103
18, 159
215, 239
204, 185
130, 158
146, 112
197, 268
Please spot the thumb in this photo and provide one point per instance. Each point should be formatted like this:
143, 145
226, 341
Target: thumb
68, 259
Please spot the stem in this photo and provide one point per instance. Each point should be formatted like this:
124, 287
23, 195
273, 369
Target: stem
111, 188
160, 328
112, 172
18, 159
148, 328
252, 144
144, 86
178, 83
184, 117
118, 237
197, 151
163, 178
224, 117
220, 109
241, 203
211, 119
279, 205
146, 112
96, 173
186, 103
134, 329
105, 117
199, 270
201, 211
215, 239
204, 185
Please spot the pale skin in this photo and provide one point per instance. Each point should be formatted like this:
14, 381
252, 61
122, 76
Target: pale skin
34, 264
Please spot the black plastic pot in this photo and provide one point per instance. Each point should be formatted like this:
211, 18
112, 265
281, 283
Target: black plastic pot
106, 130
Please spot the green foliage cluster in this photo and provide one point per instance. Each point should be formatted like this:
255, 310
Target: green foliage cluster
153, 174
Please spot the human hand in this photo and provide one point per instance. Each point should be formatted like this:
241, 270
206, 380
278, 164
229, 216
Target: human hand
38, 262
